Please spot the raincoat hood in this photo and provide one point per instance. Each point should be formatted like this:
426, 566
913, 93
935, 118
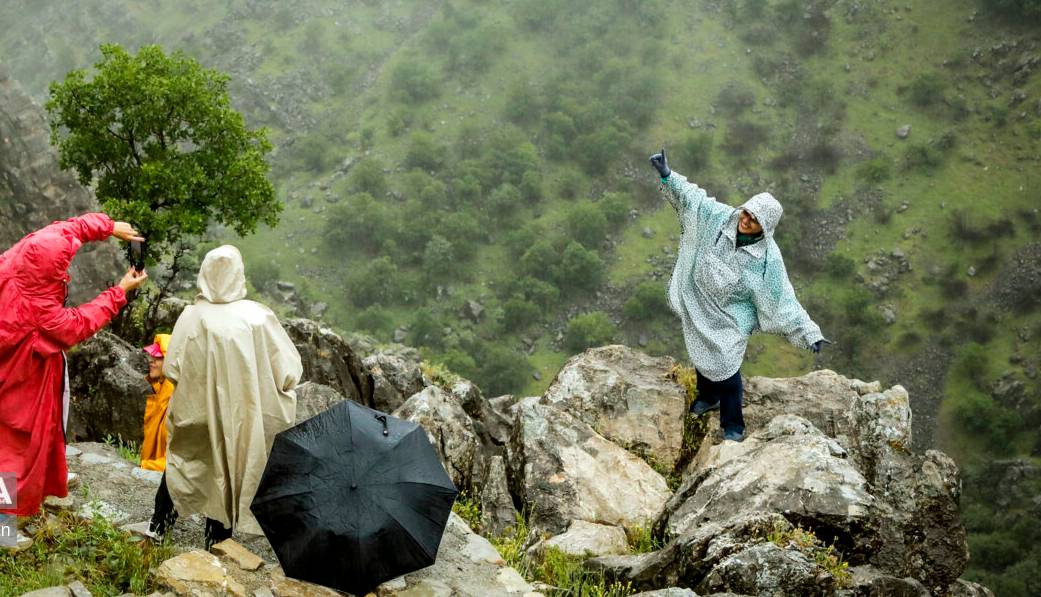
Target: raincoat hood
767, 212
222, 277
38, 264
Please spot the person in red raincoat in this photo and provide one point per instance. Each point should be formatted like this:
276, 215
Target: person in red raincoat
35, 329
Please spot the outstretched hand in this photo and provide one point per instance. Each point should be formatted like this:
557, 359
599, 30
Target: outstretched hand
661, 163
124, 231
133, 279
816, 346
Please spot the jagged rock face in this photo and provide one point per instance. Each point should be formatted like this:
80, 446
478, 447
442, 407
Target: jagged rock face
821, 397
625, 396
329, 360
497, 511
108, 389
450, 430
313, 399
394, 380
569, 472
789, 467
35, 191
766, 569
893, 513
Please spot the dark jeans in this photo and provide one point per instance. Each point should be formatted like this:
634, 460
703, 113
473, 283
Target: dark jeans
728, 394
164, 516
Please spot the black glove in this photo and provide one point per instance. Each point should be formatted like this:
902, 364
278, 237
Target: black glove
661, 164
816, 346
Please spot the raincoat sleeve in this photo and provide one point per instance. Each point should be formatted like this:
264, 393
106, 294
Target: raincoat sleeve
68, 327
691, 202
88, 227
779, 311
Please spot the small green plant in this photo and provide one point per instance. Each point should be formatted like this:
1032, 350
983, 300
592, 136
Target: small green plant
107, 560
510, 544
443, 378
827, 558
566, 573
469, 509
128, 450
642, 540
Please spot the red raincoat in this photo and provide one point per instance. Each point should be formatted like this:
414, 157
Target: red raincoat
35, 329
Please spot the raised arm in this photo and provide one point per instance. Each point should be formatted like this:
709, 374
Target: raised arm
65, 328
779, 311
688, 199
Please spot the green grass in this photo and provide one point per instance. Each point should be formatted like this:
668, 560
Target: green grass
128, 450
107, 560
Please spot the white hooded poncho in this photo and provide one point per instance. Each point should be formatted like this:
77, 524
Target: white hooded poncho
235, 369
723, 293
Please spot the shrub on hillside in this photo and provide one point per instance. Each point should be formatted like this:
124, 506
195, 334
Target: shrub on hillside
694, 155
376, 283
367, 177
424, 152
927, 90
579, 269
923, 157
1015, 9
615, 207
263, 274
647, 302
585, 223
414, 80
358, 222
744, 137
500, 370
588, 330
518, 313
875, 170
375, 321
734, 99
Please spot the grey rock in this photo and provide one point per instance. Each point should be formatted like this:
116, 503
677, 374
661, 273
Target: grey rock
78, 589
669, 592
586, 539
497, 511
108, 388
450, 430
49, 592
794, 468
400, 335
150, 477
473, 311
329, 360
868, 580
313, 399
103, 509
627, 397
903, 132
394, 380
570, 472
72, 452
766, 569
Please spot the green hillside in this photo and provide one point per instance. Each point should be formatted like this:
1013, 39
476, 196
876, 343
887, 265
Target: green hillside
435, 153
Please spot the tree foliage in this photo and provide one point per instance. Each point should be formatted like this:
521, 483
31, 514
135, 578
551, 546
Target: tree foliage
158, 136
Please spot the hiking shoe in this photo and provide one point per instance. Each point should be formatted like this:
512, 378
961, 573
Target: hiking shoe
734, 436
701, 407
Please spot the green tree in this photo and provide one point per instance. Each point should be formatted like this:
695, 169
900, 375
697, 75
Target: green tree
501, 370
648, 301
358, 222
587, 224
579, 268
587, 330
519, 313
157, 136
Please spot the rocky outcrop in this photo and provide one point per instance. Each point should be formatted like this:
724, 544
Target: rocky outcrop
627, 397
329, 360
108, 389
890, 512
394, 380
567, 471
35, 191
450, 430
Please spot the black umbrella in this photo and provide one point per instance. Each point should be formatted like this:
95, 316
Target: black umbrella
353, 497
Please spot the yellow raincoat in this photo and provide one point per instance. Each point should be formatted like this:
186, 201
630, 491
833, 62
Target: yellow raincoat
153, 448
235, 369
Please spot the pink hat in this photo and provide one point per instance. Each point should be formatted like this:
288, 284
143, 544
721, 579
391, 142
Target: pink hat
158, 348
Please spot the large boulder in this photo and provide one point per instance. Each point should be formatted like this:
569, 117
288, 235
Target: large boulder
394, 380
821, 397
789, 467
450, 430
313, 399
492, 425
108, 389
626, 396
566, 471
586, 539
329, 360
497, 511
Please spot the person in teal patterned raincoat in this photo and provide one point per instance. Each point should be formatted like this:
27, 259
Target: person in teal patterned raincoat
729, 282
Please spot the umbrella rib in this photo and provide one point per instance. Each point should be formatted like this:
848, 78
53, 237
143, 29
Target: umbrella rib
405, 531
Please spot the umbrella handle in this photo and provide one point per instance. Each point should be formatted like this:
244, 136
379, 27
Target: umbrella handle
383, 419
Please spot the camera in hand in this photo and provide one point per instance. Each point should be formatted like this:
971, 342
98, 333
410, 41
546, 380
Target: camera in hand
136, 254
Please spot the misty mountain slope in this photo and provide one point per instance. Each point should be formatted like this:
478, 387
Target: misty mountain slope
435, 154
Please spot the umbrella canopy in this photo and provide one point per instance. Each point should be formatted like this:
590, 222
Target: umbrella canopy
353, 497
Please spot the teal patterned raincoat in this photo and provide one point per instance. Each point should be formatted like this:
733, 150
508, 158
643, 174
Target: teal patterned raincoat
723, 294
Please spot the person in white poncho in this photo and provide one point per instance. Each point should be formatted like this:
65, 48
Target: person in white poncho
729, 282
235, 369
